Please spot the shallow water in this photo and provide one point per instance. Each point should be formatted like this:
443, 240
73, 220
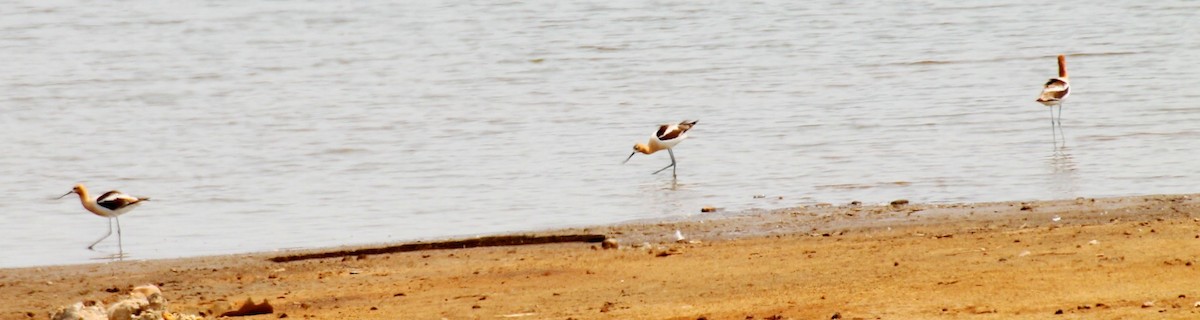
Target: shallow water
271, 125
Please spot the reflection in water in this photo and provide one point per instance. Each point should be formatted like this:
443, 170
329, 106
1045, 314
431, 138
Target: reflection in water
119, 256
669, 196
1063, 169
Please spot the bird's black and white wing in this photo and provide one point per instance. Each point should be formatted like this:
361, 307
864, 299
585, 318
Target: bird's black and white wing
114, 200
668, 132
1056, 89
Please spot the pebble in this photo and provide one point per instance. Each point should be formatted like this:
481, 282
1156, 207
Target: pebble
1147, 304
899, 202
708, 209
1094, 242
610, 243
608, 306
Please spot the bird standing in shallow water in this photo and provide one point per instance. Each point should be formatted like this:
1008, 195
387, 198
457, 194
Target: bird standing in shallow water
667, 137
1056, 90
110, 205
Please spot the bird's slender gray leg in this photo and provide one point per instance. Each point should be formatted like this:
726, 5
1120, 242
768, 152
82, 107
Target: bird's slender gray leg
1051, 116
104, 237
120, 247
672, 165
1060, 113
1053, 132
1061, 133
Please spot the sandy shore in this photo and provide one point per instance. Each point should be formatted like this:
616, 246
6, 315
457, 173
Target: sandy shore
1128, 257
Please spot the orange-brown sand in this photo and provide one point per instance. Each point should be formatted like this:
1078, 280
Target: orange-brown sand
1128, 257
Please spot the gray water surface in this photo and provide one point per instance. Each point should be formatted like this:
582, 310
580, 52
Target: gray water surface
267, 125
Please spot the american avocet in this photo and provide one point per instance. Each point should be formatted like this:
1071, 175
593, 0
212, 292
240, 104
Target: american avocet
667, 137
1056, 90
110, 205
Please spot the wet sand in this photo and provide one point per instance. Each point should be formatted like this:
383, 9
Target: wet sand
1127, 257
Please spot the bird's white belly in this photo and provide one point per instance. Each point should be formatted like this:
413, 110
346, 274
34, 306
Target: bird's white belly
667, 144
121, 210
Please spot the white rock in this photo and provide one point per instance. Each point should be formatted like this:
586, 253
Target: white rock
128, 308
144, 303
78, 311
1094, 242
146, 290
153, 295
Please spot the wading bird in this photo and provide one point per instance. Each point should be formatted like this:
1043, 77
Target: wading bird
110, 205
667, 137
1056, 90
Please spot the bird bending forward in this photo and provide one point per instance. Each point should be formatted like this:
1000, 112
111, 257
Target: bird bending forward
667, 136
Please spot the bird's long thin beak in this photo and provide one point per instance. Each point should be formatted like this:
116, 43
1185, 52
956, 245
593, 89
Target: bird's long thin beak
64, 195
630, 157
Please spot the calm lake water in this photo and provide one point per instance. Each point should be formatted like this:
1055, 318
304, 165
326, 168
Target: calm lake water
265, 125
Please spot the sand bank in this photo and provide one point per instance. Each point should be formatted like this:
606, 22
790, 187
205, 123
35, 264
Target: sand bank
1127, 257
